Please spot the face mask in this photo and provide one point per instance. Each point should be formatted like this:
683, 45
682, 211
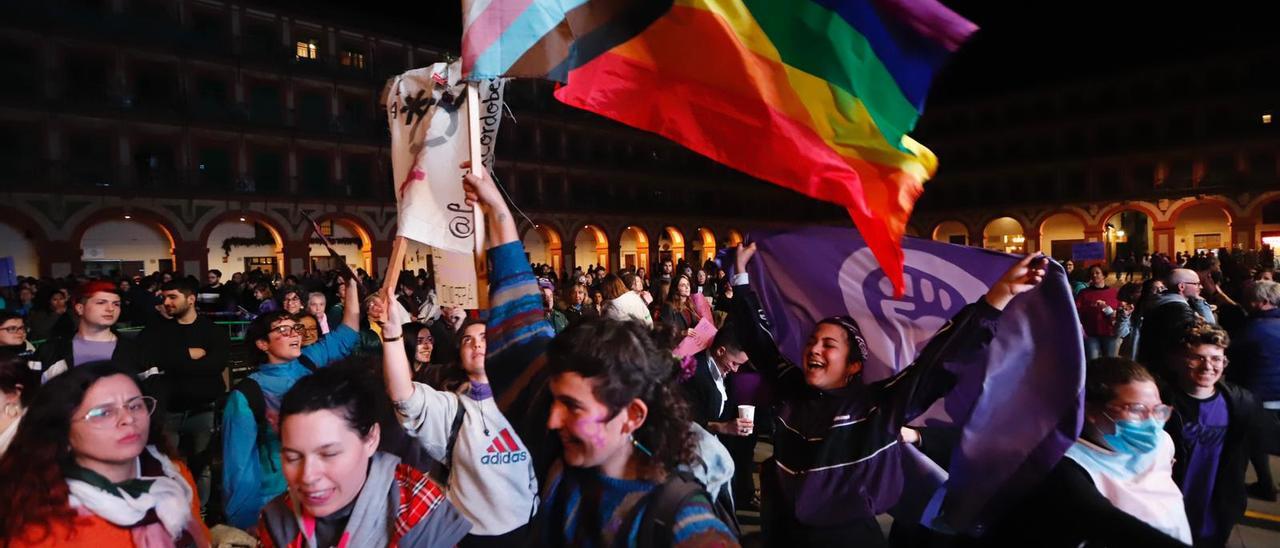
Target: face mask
1136, 438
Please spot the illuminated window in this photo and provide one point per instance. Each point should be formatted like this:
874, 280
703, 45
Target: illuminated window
352, 59
1266, 118
308, 50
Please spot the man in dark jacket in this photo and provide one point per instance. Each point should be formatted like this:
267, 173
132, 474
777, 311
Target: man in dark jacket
1168, 316
709, 402
98, 308
1213, 426
191, 353
1256, 355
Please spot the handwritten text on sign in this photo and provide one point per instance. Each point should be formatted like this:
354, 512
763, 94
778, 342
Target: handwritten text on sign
425, 156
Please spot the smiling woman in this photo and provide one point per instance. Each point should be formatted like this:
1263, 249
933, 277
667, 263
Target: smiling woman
342, 491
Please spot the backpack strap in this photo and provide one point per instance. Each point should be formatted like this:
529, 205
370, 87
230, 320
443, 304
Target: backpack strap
307, 362
658, 525
252, 393
454, 429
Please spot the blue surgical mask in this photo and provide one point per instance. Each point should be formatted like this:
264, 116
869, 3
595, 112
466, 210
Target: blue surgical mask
1135, 438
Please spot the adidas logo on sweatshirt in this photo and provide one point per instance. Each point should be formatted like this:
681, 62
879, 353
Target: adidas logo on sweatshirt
504, 450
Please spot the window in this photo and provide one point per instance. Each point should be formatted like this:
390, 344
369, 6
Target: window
308, 49
214, 168
352, 59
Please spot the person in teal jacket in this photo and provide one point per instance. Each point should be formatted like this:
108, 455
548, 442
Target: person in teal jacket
251, 475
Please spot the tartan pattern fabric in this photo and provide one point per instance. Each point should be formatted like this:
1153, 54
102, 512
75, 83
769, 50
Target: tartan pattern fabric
419, 495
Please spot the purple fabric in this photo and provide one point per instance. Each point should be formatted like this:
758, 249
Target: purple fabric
1020, 410
91, 351
1204, 440
480, 391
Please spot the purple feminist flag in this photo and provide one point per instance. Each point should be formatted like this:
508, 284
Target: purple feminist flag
1019, 406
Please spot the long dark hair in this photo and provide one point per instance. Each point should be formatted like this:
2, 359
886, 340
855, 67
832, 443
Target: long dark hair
33, 489
624, 362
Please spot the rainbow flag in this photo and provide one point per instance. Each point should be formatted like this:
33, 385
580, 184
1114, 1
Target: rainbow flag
817, 96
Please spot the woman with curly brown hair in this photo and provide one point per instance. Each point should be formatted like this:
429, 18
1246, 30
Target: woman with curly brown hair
87, 468
623, 430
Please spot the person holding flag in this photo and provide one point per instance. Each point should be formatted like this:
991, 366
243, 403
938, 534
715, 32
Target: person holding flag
837, 449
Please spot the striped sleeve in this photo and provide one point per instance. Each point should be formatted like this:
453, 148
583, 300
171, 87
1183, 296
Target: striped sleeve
698, 526
517, 330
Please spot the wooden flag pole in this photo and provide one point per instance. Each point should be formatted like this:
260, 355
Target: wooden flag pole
394, 266
477, 163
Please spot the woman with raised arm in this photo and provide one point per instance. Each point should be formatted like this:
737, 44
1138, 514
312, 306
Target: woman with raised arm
837, 461
491, 475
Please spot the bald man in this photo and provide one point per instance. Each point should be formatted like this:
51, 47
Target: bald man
1169, 315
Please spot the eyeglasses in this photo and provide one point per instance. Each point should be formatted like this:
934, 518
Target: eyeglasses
1200, 361
426, 340
290, 329
15, 329
1138, 411
107, 416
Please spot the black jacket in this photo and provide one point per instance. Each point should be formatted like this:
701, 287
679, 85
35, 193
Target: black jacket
127, 353
704, 398
193, 384
1066, 510
1246, 422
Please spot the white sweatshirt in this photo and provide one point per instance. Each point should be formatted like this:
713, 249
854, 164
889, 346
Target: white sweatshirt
491, 479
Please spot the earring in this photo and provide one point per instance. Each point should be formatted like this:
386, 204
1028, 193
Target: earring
12, 409
640, 446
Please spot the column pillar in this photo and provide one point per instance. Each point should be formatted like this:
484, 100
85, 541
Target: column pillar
1165, 238
60, 258
1242, 231
297, 256
381, 257
191, 258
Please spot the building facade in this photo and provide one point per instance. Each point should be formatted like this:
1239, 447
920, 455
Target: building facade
1171, 158
146, 135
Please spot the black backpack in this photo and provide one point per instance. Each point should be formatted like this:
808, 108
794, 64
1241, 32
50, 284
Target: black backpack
660, 519
252, 393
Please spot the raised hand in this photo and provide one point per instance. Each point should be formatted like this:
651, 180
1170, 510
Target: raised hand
744, 254
1022, 277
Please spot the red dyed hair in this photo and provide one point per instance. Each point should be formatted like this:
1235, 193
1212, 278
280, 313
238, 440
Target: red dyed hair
87, 289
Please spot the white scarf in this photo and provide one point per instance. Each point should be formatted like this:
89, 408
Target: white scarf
1148, 494
170, 496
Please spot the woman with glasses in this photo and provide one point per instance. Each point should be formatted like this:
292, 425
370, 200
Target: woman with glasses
1114, 487
1214, 425
88, 468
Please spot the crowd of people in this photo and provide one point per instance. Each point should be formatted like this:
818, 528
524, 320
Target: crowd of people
570, 412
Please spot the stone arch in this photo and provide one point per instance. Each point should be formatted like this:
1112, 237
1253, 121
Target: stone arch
1122, 236
1055, 232
671, 244
633, 247
544, 244
353, 224
1195, 226
702, 248
1267, 229
591, 246
25, 244
1004, 233
949, 231
217, 255
153, 220
735, 237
